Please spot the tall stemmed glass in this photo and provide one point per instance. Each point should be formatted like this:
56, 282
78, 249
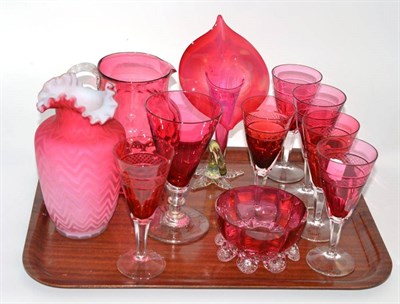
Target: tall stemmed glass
266, 128
326, 98
144, 167
344, 168
187, 120
224, 85
318, 125
286, 78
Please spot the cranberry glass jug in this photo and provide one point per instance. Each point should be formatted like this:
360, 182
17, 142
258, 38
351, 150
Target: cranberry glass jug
78, 175
135, 77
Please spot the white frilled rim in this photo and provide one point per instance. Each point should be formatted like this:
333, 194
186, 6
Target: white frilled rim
98, 106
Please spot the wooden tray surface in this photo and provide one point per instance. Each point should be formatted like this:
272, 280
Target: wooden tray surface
54, 260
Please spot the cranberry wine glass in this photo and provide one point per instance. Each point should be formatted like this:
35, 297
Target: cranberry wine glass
318, 125
344, 168
144, 167
266, 128
326, 98
187, 120
286, 78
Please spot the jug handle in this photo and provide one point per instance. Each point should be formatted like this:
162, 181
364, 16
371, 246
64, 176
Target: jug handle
87, 73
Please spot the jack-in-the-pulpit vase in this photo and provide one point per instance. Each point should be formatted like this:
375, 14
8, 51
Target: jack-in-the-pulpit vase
78, 175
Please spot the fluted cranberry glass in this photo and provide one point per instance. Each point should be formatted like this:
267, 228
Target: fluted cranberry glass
144, 168
187, 120
345, 168
266, 125
286, 78
316, 126
306, 99
327, 97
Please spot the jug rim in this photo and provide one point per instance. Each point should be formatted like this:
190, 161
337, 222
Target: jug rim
170, 71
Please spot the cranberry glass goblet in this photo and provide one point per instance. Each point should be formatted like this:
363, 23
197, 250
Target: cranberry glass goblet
318, 125
187, 120
144, 167
266, 128
286, 78
344, 167
326, 98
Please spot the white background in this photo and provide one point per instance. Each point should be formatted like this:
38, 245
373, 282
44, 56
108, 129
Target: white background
354, 44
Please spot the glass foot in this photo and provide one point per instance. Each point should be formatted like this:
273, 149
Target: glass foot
143, 268
248, 263
275, 264
205, 177
332, 264
161, 230
316, 231
286, 173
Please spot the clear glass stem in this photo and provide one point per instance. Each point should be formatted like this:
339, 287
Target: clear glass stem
336, 229
307, 182
319, 204
287, 147
141, 231
174, 217
260, 177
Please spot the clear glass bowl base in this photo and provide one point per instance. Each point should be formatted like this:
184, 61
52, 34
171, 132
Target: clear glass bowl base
249, 263
338, 264
141, 268
286, 173
198, 225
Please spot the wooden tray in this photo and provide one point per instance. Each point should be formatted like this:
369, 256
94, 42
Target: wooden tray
54, 260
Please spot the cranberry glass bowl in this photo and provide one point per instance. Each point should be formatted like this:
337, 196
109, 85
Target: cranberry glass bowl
259, 224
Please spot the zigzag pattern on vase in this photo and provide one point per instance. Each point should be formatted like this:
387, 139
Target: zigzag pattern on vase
80, 194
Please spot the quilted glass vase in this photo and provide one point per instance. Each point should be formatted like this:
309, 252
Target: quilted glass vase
74, 153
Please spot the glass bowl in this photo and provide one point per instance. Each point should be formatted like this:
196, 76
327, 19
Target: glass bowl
259, 224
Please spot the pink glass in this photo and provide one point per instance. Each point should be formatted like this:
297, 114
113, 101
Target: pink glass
344, 167
265, 127
144, 167
77, 171
224, 65
135, 76
187, 120
316, 126
326, 98
259, 224
286, 78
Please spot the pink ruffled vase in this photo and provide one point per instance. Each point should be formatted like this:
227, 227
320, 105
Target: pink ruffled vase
77, 171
